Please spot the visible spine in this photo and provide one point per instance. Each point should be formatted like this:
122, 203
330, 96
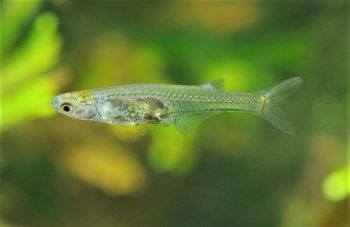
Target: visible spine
216, 102
185, 99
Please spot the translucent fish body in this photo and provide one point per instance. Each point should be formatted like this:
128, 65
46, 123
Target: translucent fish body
184, 106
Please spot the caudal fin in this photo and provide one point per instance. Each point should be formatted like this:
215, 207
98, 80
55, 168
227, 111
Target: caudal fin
271, 103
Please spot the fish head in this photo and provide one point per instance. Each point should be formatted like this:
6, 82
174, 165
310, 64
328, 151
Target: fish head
78, 105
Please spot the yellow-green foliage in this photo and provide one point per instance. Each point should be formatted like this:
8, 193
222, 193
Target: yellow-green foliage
26, 61
337, 185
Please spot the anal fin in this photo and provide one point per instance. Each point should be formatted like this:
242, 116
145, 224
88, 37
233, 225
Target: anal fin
188, 122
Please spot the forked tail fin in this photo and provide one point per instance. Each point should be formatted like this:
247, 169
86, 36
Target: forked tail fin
271, 103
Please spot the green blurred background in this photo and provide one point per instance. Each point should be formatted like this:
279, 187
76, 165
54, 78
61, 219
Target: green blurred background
236, 170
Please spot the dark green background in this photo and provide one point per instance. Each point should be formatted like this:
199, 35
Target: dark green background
236, 170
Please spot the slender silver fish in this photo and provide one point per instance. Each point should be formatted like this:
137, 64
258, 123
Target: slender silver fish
184, 106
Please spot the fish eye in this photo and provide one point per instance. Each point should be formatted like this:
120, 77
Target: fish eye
66, 107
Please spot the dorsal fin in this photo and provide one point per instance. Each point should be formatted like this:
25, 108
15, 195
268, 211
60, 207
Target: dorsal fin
215, 84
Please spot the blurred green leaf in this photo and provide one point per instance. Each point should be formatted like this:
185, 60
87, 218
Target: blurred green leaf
114, 59
15, 15
336, 186
26, 85
38, 53
32, 100
239, 75
171, 151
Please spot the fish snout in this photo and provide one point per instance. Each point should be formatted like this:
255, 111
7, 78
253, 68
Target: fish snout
55, 102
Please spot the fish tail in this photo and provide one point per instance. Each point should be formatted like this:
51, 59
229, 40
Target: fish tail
271, 100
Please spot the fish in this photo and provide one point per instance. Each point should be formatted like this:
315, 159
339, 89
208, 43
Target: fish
185, 106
